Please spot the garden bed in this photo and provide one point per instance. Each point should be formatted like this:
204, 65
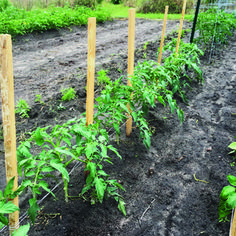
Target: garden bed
163, 193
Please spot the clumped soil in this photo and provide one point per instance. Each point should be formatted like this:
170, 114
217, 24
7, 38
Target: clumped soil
163, 196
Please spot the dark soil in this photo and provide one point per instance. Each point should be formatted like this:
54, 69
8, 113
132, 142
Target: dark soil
162, 196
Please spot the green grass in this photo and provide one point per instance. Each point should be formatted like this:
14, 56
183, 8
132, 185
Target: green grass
121, 11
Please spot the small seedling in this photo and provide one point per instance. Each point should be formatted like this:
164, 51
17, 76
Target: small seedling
119, 70
39, 99
102, 78
60, 107
233, 147
145, 45
22, 108
68, 94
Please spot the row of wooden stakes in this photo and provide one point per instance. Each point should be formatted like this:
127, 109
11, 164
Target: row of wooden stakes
7, 93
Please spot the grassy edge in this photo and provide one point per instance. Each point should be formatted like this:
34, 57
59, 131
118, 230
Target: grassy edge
121, 11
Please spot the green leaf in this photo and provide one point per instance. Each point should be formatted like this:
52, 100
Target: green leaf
3, 219
121, 206
103, 173
103, 150
59, 166
147, 139
114, 150
44, 185
92, 169
232, 179
38, 137
226, 191
116, 127
8, 207
22, 231
65, 152
66, 140
47, 169
30, 173
90, 149
161, 100
100, 186
9, 187
232, 146
33, 210
231, 202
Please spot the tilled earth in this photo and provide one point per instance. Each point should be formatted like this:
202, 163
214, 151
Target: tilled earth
169, 201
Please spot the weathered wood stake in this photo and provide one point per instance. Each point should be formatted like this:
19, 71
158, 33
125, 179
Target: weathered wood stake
90, 74
233, 225
163, 34
180, 27
131, 42
90, 69
8, 116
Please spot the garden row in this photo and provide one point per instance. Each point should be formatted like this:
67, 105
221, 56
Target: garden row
16, 21
89, 142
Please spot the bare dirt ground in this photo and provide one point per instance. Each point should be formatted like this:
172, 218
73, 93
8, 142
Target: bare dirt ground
169, 202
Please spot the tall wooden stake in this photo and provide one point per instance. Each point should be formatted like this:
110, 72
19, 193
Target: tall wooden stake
131, 42
163, 34
90, 74
233, 225
8, 116
180, 27
90, 69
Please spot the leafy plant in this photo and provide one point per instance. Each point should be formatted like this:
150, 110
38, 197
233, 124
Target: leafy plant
233, 147
57, 153
227, 199
102, 78
95, 146
214, 26
60, 107
68, 94
39, 99
16, 21
22, 108
7, 207
176, 66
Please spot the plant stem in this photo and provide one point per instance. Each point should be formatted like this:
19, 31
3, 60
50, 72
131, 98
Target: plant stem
65, 189
35, 182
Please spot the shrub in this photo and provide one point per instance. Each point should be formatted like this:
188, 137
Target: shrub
87, 3
158, 6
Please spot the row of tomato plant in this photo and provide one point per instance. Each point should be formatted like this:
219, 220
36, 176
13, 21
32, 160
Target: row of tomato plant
215, 26
89, 144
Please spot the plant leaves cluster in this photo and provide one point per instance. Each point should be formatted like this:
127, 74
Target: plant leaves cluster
60, 145
228, 193
16, 21
22, 108
68, 94
215, 26
227, 199
7, 207
150, 81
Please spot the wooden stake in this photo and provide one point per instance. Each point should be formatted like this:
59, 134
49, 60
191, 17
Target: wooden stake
90, 69
163, 34
90, 74
8, 116
131, 42
233, 225
180, 27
